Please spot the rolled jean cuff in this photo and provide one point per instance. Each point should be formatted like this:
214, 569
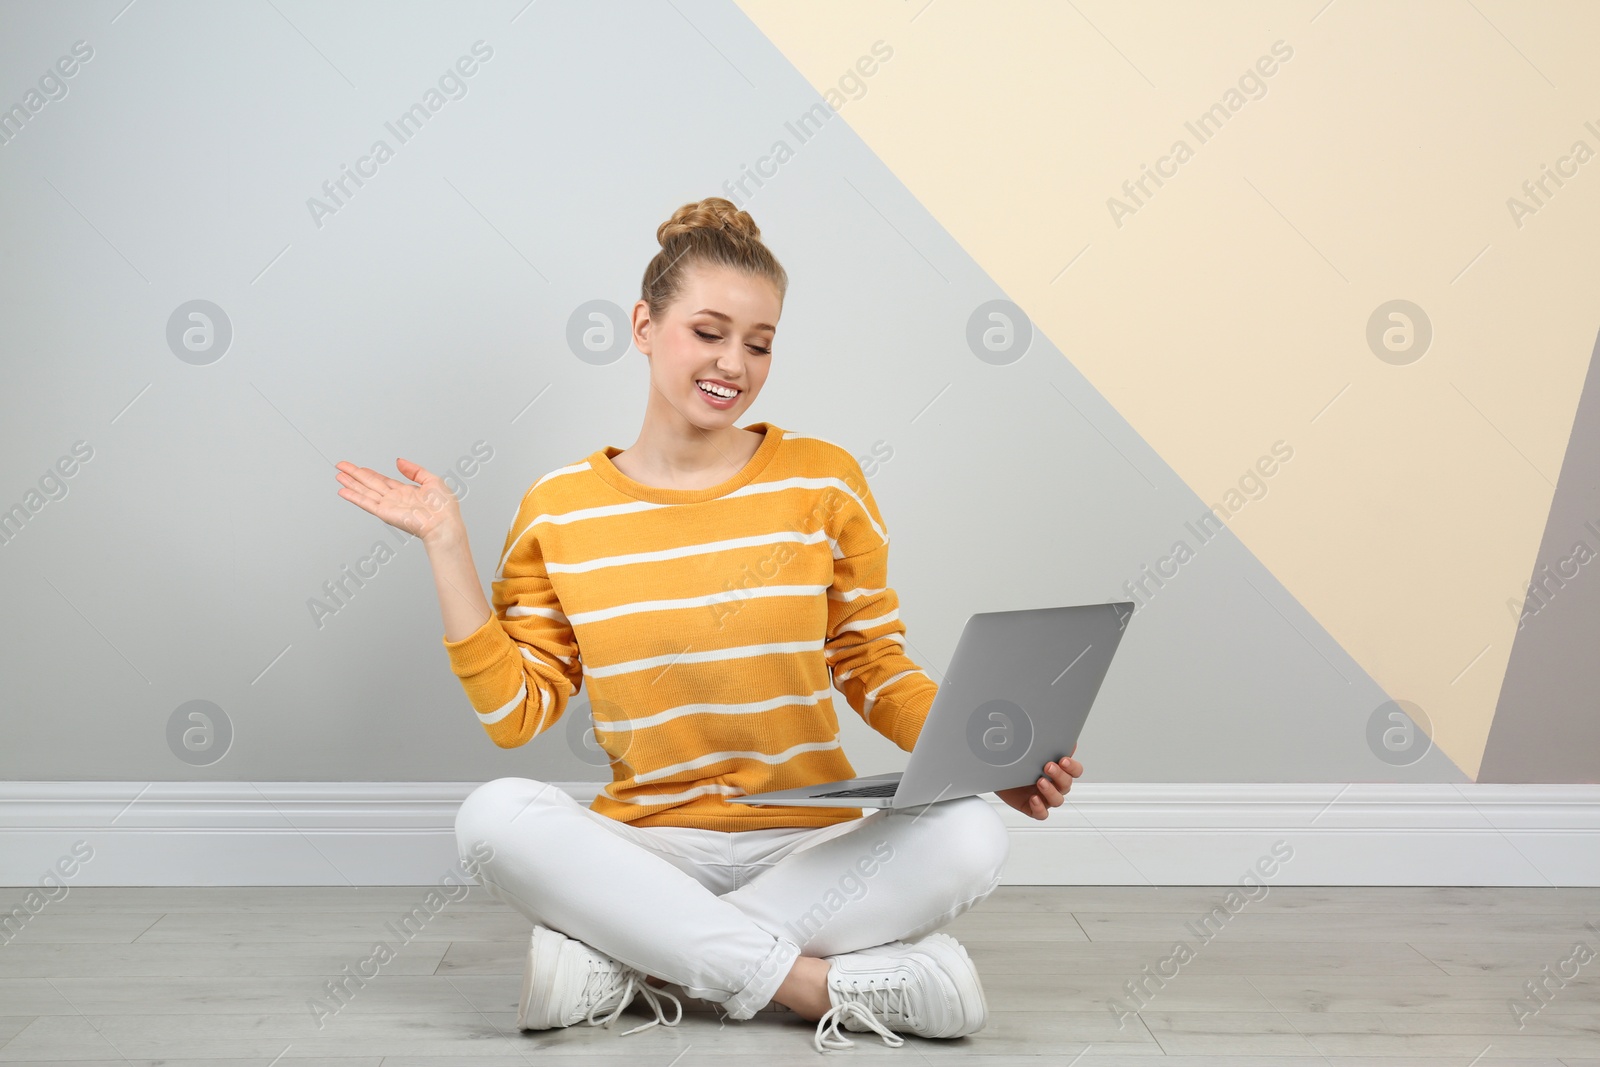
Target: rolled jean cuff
758, 992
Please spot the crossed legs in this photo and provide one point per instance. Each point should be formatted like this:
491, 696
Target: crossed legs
739, 918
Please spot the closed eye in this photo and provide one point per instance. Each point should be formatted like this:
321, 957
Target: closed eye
713, 337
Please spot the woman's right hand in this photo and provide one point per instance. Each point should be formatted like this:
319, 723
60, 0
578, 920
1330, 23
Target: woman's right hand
428, 510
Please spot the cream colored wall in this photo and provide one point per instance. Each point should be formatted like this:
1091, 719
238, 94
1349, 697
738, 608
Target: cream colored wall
1383, 158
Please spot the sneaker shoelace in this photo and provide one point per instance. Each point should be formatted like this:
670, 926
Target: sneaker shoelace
608, 984
886, 999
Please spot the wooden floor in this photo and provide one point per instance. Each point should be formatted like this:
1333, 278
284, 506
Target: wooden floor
1312, 976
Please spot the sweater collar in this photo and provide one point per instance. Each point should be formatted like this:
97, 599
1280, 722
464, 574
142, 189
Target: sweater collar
601, 463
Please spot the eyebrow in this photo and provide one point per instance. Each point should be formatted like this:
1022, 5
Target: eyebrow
725, 318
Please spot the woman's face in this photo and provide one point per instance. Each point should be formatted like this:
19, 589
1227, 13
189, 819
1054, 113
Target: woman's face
720, 328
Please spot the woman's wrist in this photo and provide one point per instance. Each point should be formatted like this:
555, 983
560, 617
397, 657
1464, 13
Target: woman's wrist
446, 538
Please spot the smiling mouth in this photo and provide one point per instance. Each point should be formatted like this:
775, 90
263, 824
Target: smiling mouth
717, 391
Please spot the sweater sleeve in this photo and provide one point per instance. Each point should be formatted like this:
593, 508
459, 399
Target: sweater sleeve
520, 668
865, 646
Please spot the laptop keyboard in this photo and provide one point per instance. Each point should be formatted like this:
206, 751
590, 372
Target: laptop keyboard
887, 789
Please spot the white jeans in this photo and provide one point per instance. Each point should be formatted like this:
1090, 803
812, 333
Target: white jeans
725, 914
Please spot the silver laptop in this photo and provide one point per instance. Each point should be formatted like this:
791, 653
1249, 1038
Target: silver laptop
1016, 697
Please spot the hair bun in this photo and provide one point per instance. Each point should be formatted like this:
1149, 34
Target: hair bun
712, 213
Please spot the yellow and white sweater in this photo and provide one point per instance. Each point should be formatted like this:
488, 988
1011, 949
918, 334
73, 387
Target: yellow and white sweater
709, 621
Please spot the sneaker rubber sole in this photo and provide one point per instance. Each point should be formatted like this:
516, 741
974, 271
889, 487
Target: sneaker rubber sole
952, 956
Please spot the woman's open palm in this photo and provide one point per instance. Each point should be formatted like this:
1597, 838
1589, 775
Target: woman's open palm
424, 510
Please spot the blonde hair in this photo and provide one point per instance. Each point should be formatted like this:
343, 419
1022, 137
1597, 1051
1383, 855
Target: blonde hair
714, 232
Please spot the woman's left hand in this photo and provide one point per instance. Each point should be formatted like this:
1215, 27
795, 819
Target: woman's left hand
1036, 800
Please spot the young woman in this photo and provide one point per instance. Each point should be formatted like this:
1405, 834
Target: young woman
711, 585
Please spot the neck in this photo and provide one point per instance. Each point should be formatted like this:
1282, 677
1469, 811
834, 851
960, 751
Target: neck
669, 446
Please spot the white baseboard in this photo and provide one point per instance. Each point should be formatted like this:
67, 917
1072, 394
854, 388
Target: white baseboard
401, 833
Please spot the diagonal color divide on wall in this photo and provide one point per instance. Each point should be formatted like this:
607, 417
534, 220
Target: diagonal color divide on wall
1226, 306
1546, 728
1176, 349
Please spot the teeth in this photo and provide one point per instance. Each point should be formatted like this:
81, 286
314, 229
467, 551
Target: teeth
717, 390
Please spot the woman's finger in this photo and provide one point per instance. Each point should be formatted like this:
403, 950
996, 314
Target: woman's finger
1064, 771
1070, 768
359, 491
382, 483
419, 474
356, 492
365, 476
1048, 791
372, 492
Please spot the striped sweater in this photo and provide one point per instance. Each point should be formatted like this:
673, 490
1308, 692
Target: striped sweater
709, 626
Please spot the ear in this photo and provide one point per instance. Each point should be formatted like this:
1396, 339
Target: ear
641, 327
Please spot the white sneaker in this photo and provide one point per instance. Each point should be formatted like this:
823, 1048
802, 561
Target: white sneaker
564, 982
929, 988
